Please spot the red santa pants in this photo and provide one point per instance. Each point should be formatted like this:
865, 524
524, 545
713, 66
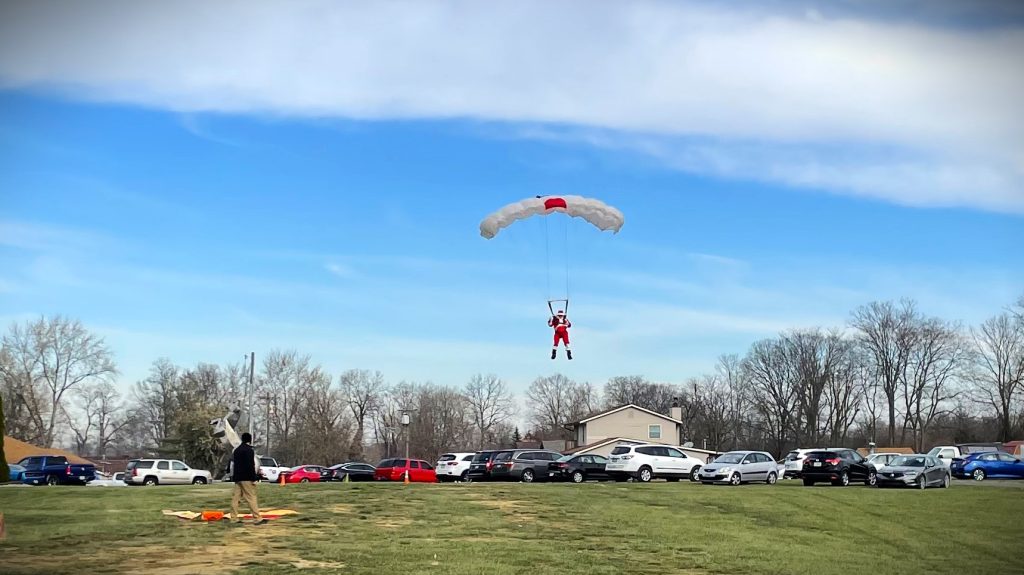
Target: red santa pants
563, 336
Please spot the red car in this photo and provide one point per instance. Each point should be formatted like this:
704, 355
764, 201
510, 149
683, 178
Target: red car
302, 474
395, 469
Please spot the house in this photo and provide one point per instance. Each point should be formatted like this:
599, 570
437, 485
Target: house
866, 451
630, 425
15, 450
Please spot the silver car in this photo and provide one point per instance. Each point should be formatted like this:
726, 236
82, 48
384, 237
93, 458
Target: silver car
917, 470
738, 467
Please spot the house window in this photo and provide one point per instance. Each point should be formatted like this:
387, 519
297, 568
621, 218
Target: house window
654, 431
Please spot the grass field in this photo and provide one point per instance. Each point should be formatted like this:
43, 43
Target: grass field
603, 528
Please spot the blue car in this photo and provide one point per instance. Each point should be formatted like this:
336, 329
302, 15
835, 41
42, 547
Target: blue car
979, 466
17, 472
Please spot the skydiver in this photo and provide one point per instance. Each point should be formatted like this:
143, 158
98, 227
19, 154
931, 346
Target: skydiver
561, 324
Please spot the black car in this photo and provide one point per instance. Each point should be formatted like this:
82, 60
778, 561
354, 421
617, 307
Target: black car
578, 468
483, 462
354, 470
837, 466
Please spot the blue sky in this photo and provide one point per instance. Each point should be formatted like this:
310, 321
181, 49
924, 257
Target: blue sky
201, 200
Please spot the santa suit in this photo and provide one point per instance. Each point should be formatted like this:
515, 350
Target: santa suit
561, 325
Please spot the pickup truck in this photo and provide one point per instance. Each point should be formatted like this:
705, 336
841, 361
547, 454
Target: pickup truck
269, 469
947, 453
55, 470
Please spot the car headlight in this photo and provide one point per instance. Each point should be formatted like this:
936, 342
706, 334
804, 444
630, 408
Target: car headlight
725, 469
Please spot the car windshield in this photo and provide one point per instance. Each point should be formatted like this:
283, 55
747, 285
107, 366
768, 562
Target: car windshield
620, 450
447, 457
565, 458
907, 461
792, 456
935, 451
482, 457
730, 458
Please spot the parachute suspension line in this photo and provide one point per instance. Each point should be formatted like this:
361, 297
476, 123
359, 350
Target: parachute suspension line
547, 258
566, 233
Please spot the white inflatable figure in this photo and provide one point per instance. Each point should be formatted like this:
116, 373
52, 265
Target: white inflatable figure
224, 429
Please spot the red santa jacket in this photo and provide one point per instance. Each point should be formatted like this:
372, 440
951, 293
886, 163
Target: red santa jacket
559, 323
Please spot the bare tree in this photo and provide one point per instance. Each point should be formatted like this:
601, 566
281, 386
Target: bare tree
97, 417
82, 422
888, 333
846, 383
636, 390
812, 356
557, 400
928, 384
774, 394
60, 354
154, 400
490, 404
998, 367
362, 391
26, 406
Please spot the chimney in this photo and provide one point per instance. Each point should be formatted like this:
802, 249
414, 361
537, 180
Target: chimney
676, 412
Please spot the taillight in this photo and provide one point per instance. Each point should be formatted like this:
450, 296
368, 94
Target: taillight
834, 461
490, 464
68, 470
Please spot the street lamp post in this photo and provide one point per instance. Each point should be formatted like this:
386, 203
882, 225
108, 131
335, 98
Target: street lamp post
406, 420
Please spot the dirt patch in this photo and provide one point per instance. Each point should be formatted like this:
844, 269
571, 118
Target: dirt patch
392, 523
512, 509
342, 508
304, 564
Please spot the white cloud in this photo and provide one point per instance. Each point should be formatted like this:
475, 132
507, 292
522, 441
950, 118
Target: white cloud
777, 96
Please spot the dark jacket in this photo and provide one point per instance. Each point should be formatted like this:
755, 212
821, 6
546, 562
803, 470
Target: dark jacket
243, 464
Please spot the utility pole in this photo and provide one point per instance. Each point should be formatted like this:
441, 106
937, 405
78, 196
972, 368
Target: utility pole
248, 413
267, 398
405, 423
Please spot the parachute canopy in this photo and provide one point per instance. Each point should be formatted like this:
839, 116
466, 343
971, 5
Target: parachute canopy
601, 215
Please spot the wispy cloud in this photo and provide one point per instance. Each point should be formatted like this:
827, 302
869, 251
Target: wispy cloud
193, 124
736, 91
340, 270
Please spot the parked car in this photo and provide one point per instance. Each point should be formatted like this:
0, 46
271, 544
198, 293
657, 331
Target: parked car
55, 470
738, 467
917, 470
947, 453
418, 471
838, 466
16, 472
578, 468
981, 466
270, 469
880, 460
304, 474
164, 471
454, 466
103, 480
526, 465
795, 462
482, 463
353, 470
650, 461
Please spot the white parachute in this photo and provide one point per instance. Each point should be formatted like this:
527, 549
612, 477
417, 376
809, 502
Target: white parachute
599, 214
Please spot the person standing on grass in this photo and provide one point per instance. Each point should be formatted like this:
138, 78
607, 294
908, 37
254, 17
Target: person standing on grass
245, 474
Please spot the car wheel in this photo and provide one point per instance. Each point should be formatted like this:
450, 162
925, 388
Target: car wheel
978, 475
645, 475
844, 480
945, 481
199, 481
150, 481
808, 483
695, 473
735, 479
772, 478
872, 478
527, 476
464, 477
577, 477
921, 483
52, 480
304, 480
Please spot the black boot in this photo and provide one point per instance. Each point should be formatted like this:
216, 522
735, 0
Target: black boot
553, 353
568, 352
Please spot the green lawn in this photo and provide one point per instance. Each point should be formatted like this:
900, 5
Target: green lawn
478, 528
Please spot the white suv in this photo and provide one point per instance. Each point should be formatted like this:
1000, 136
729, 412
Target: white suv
453, 466
649, 461
164, 471
795, 462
